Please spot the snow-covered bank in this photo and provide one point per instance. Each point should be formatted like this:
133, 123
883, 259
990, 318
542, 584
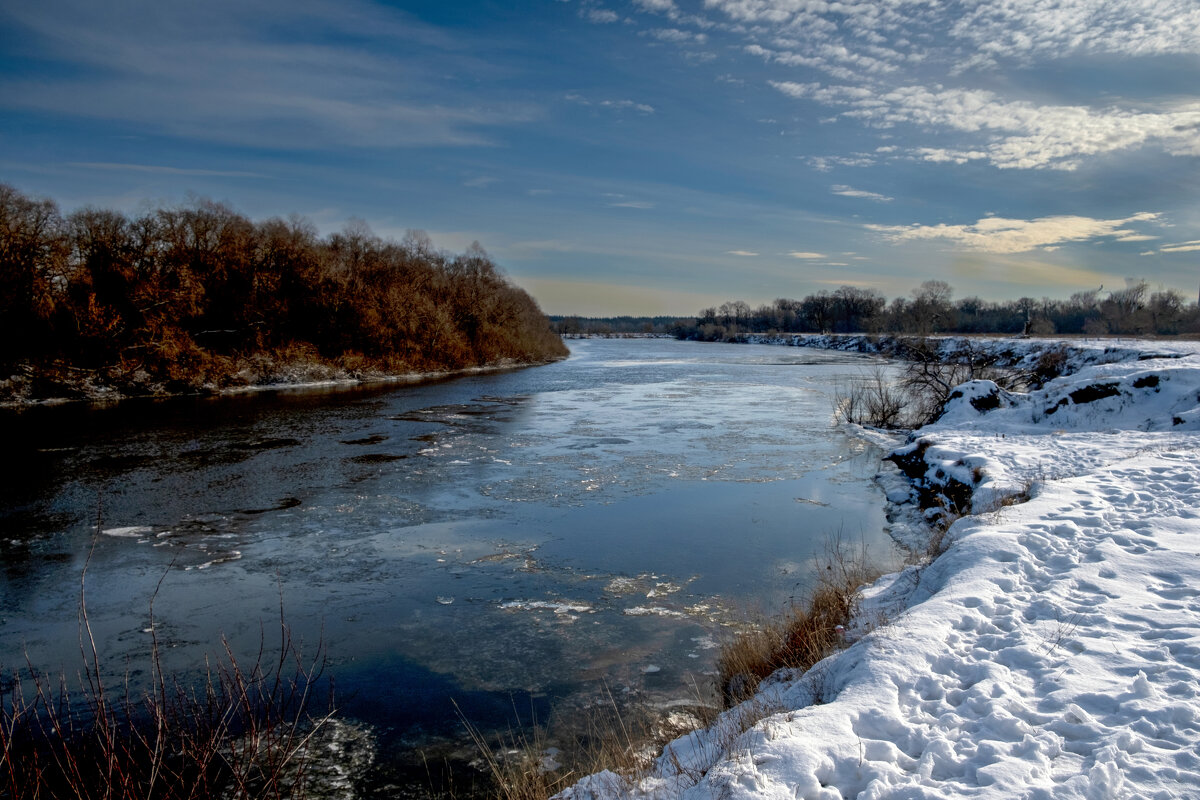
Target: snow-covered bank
1052, 651
1014, 351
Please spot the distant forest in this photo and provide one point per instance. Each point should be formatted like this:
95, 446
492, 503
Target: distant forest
200, 297
1132, 309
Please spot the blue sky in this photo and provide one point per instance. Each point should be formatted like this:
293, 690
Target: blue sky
645, 156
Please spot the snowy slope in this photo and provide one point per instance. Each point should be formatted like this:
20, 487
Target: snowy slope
1053, 651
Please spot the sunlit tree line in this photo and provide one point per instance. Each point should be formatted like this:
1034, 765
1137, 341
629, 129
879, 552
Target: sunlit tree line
1133, 309
180, 296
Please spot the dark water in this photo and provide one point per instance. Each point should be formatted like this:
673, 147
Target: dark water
534, 538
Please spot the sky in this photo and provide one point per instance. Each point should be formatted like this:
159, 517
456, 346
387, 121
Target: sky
645, 156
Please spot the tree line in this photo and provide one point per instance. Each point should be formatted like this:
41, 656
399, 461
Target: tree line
1132, 309
178, 298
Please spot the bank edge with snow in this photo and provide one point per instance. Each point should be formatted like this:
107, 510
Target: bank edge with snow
1052, 651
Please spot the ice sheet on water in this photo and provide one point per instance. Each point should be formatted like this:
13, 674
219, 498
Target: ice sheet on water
659, 611
556, 606
232, 555
201, 541
129, 531
575, 445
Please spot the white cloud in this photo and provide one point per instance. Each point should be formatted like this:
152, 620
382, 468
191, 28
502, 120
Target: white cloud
887, 58
1023, 29
863, 32
805, 255
602, 16
667, 7
677, 36
1018, 133
1183, 247
826, 163
1000, 235
618, 105
745, 253
643, 204
847, 191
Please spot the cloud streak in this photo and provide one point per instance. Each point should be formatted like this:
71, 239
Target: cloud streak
1006, 236
154, 169
1183, 247
847, 191
614, 105
263, 74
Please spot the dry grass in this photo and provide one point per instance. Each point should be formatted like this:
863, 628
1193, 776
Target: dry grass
242, 733
521, 765
810, 631
624, 743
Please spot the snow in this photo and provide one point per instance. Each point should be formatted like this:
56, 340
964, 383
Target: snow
1052, 650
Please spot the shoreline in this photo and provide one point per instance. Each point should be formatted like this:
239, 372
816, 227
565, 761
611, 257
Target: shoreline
1051, 650
101, 396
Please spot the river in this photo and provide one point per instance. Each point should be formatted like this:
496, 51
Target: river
522, 543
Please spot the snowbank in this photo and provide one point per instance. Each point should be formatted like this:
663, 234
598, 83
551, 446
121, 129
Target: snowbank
1053, 651
1014, 351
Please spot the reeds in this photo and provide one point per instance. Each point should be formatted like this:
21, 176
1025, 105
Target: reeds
810, 630
242, 731
621, 741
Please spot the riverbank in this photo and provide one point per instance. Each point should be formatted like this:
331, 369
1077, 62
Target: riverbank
1051, 650
290, 376
1009, 351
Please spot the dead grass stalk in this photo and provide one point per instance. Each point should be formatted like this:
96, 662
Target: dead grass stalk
812, 629
243, 732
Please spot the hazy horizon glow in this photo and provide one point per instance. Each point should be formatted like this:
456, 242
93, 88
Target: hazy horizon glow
646, 156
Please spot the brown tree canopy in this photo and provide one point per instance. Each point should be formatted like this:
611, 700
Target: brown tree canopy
179, 298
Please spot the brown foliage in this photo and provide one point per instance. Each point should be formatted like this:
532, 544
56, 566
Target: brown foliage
175, 298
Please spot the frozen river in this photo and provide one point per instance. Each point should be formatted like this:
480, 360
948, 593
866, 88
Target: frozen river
532, 538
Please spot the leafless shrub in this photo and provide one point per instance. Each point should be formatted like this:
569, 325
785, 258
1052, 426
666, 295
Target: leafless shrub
873, 400
1050, 364
932, 376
